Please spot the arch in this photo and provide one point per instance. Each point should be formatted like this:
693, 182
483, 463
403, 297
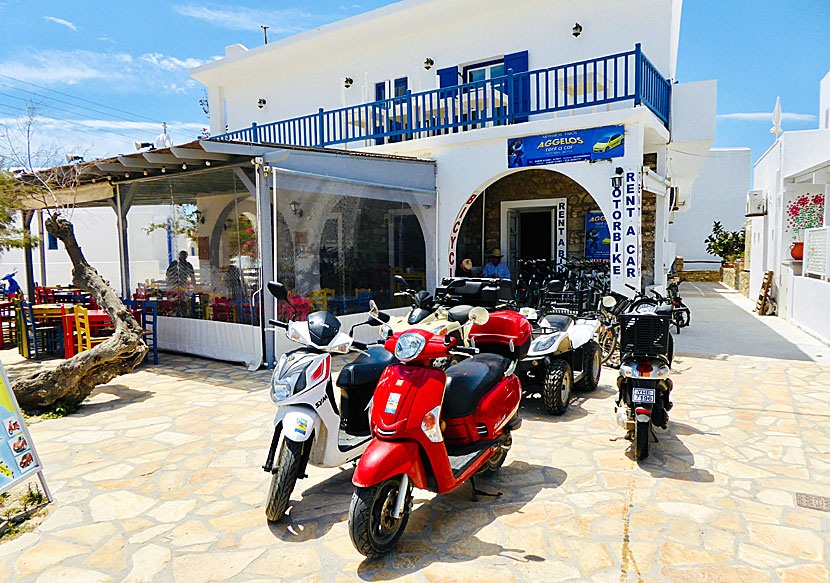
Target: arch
219, 225
575, 186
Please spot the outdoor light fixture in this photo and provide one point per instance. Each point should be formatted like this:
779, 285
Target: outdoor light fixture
140, 145
616, 180
261, 103
347, 82
72, 159
146, 173
184, 166
200, 216
163, 170
207, 162
577, 29
428, 64
295, 208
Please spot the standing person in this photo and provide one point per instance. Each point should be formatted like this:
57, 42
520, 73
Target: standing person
496, 268
180, 274
465, 269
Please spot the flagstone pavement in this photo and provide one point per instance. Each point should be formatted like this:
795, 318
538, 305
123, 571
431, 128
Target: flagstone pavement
157, 478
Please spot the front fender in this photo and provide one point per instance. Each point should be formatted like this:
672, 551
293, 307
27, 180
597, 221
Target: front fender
582, 332
298, 422
385, 459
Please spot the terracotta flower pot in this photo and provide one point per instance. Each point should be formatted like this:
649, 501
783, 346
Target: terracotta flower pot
797, 250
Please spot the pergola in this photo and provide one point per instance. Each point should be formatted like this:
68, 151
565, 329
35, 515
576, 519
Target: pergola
190, 173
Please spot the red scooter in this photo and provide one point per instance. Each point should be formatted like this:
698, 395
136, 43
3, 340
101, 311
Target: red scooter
434, 429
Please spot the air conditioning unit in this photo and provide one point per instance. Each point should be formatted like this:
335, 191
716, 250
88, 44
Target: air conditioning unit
756, 203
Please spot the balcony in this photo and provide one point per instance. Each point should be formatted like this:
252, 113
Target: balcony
513, 98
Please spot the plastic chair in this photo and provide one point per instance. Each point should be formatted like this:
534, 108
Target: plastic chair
40, 338
222, 310
8, 327
319, 300
149, 319
363, 297
85, 338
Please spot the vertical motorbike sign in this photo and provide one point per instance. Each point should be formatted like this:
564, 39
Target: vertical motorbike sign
18, 457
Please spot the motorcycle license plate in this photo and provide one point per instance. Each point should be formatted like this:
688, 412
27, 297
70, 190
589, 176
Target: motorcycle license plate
643, 395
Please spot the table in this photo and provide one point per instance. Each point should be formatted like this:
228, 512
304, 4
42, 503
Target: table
97, 319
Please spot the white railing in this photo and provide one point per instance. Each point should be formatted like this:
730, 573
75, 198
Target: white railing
817, 253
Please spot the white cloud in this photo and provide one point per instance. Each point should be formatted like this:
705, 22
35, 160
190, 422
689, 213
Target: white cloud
243, 18
62, 22
767, 116
170, 63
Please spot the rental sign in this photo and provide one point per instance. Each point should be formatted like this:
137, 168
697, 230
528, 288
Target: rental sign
601, 143
624, 228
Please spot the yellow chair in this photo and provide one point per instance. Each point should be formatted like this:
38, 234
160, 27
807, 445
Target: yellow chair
319, 300
85, 338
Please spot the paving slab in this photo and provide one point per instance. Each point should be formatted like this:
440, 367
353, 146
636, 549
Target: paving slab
157, 479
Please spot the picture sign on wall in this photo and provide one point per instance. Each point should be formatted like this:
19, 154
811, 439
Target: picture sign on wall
572, 146
597, 237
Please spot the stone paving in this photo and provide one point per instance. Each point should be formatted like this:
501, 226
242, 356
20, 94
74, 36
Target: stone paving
158, 478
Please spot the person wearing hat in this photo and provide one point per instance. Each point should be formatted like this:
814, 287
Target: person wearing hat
465, 269
496, 268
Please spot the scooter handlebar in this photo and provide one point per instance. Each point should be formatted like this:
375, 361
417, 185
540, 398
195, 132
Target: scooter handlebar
278, 324
464, 350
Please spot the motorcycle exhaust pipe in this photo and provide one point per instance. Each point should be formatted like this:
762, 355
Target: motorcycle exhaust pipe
401, 500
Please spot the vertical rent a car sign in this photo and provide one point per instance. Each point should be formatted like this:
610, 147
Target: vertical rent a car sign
18, 458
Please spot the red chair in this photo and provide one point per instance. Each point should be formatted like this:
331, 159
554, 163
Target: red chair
222, 310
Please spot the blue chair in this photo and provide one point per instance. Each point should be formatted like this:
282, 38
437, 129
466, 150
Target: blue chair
149, 321
40, 339
363, 298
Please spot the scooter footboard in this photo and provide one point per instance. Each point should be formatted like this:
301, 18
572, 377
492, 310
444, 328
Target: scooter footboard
385, 459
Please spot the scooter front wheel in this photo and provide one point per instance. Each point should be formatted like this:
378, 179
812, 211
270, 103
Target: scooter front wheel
373, 529
496, 461
284, 479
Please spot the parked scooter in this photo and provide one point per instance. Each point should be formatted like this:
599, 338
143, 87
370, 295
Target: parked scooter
427, 313
563, 355
309, 427
646, 350
682, 315
435, 429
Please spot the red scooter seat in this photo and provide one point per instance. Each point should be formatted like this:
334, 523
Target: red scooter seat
469, 381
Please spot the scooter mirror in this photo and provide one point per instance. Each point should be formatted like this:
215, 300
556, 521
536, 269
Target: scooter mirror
278, 290
609, 301
479, 316
375, 313
401, 281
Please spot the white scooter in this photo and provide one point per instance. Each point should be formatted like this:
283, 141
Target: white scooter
563, 355
309, 427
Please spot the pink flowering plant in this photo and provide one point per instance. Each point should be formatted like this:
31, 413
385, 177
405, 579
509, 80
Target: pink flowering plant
806, 211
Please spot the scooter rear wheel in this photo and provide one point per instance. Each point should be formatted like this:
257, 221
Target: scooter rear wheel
641, 431
284, 479
372, 528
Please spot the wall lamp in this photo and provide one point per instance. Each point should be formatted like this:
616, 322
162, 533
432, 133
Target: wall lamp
577, 29
428, 64
73, 159
616, 180
295, 208
141, 145
347, 82
261, 103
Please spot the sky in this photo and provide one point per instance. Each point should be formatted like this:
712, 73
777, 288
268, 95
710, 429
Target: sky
102, 75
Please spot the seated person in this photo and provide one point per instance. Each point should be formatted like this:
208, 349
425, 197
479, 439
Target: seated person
496, 268
465, 269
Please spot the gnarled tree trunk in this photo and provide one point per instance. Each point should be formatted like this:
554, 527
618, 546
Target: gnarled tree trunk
73, 380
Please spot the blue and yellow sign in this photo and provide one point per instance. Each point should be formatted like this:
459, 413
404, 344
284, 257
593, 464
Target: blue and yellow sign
597, 237
571, 146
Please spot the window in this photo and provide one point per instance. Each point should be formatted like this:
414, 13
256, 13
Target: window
487, 103
401, 85
52, 242
484, 72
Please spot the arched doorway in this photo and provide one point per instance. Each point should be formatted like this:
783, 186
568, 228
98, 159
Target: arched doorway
533, 213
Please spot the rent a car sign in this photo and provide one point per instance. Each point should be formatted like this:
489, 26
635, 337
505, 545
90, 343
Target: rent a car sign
571, 146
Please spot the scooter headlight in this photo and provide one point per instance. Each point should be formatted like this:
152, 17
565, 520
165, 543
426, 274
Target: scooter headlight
282, 388
386, 331
409, 346
431, 425
543, 344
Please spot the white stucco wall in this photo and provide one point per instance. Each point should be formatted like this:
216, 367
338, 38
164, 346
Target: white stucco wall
718, 194
298, 75
824, 103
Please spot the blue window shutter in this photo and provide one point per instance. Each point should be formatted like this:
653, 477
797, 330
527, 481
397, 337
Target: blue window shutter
521, 87
448, 77
52, 241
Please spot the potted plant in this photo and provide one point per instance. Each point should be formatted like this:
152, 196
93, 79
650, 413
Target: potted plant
728, 245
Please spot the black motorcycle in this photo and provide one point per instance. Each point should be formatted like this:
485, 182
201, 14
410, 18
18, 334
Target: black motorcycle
646, 350
681, 316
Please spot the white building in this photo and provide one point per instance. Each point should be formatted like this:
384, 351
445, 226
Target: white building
400, 80
791, 182
718, 194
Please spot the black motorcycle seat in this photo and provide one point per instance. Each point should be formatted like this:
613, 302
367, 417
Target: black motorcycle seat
469, 380
459, 314
366, 368
558, 322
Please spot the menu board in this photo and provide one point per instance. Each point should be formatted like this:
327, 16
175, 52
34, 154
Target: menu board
18, 458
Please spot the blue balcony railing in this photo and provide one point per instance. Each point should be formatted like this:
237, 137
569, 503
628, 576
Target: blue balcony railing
513, 98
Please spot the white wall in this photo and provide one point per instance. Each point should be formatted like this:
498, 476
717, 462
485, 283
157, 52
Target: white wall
824, 103
300, 74
810, 306
718, 194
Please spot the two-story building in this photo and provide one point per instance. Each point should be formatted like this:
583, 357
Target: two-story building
539, 115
